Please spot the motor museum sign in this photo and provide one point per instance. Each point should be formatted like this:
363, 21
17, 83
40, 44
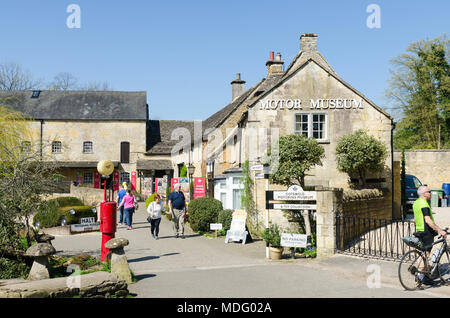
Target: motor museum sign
321, 103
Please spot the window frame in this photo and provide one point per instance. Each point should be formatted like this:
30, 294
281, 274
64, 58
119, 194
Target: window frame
85, 143
56, 146
310, 124
91, 178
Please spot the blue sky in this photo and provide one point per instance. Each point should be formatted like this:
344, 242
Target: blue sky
184, 54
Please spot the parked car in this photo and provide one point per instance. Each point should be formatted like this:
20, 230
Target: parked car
412, 184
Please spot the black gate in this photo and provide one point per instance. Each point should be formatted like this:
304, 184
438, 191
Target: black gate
373, 238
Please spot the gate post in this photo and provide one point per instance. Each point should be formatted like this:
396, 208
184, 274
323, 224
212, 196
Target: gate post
329, 203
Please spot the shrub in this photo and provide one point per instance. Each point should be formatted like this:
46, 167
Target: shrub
225, 217
202, 212
272, 236
13, 268
150, 199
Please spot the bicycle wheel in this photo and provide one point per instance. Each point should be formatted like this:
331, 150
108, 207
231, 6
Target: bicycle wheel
444, 267
408, 269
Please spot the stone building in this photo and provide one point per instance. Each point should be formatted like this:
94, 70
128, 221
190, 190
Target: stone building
83, 127
308, 97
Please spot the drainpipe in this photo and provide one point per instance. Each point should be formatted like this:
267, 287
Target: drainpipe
392, 166
40, 146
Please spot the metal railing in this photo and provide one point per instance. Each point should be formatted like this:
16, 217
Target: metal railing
373, 238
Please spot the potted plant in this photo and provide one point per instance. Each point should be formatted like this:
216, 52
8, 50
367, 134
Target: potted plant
272, 237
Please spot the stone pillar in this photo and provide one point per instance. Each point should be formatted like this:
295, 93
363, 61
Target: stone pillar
329, 203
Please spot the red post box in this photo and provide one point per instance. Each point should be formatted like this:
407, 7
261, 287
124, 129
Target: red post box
108, 221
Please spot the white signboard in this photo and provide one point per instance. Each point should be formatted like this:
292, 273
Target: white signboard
293, 240
87, 220
256, 168
259, 176
294, 192
85, 227
215, 226
282, 206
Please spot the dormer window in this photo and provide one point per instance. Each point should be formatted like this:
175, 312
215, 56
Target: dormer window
35, 94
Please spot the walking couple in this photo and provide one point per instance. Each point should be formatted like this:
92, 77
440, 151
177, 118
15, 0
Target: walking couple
127, 205
177, 208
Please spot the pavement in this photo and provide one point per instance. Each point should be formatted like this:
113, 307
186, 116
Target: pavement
174, 267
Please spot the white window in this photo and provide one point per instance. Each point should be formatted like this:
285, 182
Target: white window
56, 147
312, 125
237, 199
88, 178
88, 147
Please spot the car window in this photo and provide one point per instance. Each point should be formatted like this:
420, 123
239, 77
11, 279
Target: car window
410, 183
417, 183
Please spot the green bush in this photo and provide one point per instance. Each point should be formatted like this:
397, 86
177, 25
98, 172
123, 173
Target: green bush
225, 217
150, 199
202, 212
272, 236
10, 269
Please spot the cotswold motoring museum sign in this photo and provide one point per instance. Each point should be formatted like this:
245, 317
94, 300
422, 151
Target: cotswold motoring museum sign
321, 103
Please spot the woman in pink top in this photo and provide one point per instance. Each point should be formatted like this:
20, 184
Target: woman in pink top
128, 203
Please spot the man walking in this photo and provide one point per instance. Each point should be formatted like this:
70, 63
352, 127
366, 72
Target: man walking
120, 194
177, 206
426, 229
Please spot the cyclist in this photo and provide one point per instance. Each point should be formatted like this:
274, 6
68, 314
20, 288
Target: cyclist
426, 229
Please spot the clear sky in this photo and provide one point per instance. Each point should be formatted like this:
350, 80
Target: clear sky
184, 54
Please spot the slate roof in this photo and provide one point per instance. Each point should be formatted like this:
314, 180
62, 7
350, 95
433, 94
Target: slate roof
78, 105
160, 133
146, 164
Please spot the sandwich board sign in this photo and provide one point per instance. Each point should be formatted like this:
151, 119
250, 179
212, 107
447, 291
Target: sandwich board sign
237, 230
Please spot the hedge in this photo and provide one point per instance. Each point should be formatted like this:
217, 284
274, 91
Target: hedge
225, 217
52, 217
203, 212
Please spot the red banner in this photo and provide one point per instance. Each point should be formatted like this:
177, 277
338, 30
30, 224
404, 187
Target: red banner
133, 180
173, 182
96, 180
116, 180
199, 188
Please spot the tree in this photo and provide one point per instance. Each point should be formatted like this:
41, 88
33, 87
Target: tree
359, 153
24, 178
14, 78
420, 92
63, 81
296, 156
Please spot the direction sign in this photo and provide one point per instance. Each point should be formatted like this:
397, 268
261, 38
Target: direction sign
283, 206
293, 193
256, 168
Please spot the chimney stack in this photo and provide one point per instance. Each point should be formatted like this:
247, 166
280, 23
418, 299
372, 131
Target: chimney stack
237, 87
274, 66
308, 42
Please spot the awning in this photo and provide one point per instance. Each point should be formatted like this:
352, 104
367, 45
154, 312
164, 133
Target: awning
143, 164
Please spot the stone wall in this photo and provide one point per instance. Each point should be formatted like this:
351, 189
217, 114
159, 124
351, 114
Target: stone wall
432, 167
94, 285
89, 196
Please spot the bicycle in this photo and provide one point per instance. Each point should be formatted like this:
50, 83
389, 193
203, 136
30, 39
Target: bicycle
409, 264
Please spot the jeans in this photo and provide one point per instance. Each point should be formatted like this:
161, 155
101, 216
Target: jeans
129, 216
154, 225
121, 214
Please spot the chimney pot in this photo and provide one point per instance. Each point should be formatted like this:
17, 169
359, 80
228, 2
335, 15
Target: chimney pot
271, 56
237, 87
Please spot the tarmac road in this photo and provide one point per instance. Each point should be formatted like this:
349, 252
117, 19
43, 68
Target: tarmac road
201, 267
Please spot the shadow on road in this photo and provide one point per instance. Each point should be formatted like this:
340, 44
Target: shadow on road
147, 258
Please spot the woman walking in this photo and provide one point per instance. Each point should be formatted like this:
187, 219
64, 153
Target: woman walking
154, 210
128, 202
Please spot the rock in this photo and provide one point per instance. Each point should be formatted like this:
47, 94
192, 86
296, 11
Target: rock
44, 238
119, 263
116, 243
40, 249
40, 252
